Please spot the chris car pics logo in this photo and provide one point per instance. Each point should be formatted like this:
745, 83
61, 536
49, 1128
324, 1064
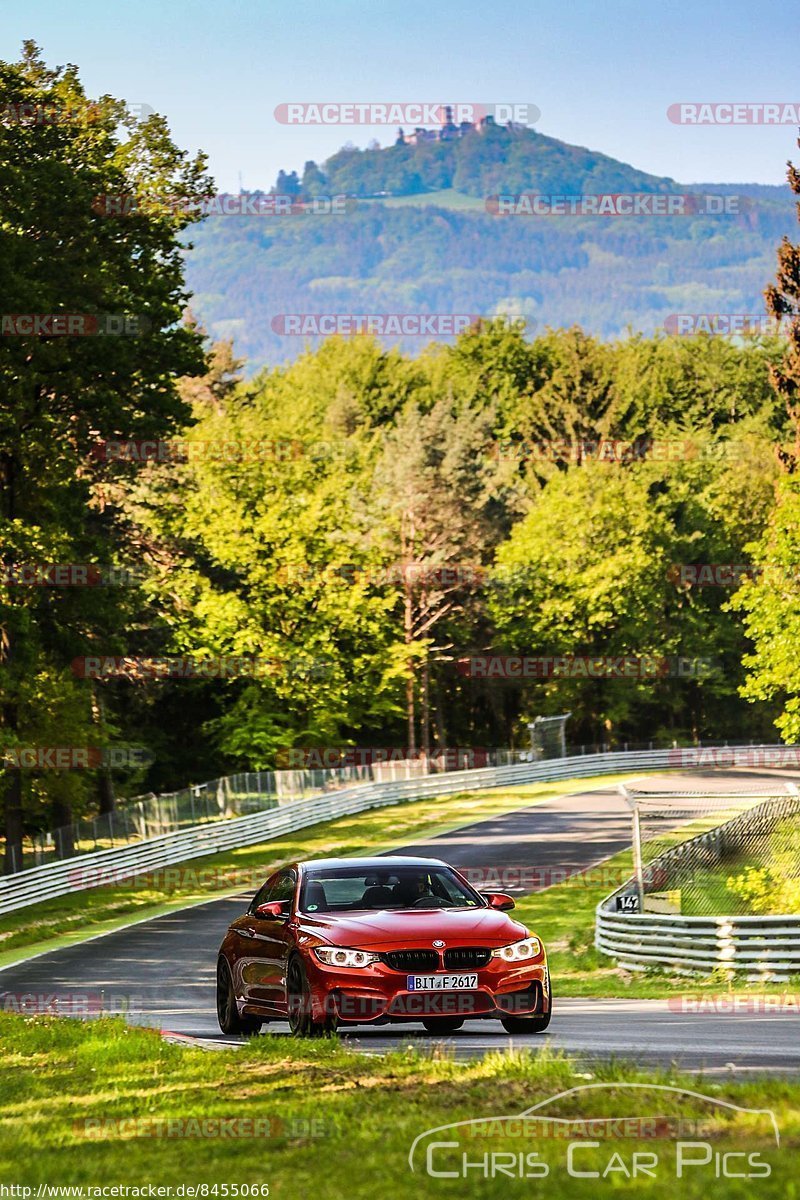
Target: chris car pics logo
698, 1137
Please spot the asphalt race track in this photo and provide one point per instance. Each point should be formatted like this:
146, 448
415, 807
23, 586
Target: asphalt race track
161, 971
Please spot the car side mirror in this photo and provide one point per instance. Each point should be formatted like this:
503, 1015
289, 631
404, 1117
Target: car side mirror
498, 900
275, 910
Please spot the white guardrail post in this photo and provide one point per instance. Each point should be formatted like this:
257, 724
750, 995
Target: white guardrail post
636, 842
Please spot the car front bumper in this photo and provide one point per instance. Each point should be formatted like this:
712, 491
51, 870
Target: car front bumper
378, 994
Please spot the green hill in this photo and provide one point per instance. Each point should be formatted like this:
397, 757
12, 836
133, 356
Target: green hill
480, 164
417, 237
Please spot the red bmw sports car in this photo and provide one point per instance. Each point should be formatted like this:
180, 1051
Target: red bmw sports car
375, 940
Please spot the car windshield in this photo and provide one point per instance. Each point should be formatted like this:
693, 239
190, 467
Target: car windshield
351, 889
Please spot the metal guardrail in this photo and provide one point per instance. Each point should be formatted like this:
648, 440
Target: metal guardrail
764, 946
105, 866
239, 795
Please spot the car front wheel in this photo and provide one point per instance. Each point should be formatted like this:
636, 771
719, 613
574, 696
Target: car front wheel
298, 999
535, 1024
227, 1012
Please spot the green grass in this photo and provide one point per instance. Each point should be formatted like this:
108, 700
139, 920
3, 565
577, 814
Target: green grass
74, 917
446, 198
336, 1124
772, 858
708, 893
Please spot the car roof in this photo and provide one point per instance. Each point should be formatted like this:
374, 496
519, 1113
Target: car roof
371, 864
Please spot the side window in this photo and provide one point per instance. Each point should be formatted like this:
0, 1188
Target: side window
264, 893
284, 887
277, 887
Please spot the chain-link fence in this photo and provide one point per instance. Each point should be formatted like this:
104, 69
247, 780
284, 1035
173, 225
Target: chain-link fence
548, 736
255, 791
726, 853
216, 800
236, 796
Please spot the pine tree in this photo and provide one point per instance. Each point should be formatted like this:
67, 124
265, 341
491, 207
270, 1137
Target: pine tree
783, 300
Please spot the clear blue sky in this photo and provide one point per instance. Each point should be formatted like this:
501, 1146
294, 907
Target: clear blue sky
602, 72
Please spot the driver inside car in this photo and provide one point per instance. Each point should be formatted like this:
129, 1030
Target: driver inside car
408, 890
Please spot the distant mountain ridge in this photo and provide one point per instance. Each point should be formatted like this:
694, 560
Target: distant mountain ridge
417, 239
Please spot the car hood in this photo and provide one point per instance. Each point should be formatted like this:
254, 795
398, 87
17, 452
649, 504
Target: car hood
415, 928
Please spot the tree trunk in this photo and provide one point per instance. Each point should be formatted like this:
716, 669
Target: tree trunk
441, 727
12, 804
408, 630
412, 740
426, 715
105, 785
106, 800
12, 822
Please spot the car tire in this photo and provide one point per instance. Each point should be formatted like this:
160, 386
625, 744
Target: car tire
298, 1003
227, 1011
443, 1024
536, 1024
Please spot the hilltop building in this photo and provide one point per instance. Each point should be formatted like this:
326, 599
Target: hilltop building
449, 130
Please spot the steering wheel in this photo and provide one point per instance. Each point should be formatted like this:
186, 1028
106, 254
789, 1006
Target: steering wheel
432, 902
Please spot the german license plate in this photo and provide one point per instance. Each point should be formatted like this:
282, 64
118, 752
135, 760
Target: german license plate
440, 983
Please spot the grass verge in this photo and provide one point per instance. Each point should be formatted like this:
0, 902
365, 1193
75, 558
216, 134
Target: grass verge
99, 1104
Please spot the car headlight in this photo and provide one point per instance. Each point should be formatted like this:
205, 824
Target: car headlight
529, 947
336, 956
